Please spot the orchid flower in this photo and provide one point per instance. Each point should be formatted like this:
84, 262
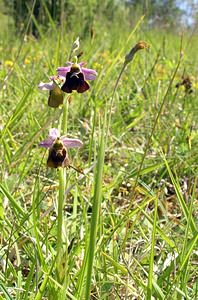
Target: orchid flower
54, 86
58, 146
89, 74
75, 77
70, 78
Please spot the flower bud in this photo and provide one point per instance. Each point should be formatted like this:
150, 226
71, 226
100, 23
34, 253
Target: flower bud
75, 45
139, 46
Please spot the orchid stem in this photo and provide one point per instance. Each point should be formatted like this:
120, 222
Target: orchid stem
65, 117
60, 210
61, 200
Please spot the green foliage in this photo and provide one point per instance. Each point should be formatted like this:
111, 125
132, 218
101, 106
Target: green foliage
131, 231
165, 14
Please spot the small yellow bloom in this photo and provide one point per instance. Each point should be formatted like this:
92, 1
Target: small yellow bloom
105, 54
97, 66
195, 85
27, 61
160, 71
9, 63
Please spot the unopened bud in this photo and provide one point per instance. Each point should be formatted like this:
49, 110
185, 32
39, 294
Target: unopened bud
76, 45
139, 46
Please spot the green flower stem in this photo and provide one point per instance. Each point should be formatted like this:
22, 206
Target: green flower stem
60, 209
65, 117
61, 199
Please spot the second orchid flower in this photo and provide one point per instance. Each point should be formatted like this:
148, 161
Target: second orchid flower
58, 145
70, 78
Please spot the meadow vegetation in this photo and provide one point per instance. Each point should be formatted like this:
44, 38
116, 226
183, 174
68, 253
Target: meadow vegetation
130, 214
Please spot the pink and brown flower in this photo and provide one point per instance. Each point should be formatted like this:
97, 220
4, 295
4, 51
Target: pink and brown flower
58, 146
71, 78
56, 95
76, 77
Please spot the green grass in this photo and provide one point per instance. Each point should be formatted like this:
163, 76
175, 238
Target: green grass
129, 226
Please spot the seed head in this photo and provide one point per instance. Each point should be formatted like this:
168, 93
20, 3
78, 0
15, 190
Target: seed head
139, 46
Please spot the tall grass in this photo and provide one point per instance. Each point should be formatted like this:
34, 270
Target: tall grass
130, 220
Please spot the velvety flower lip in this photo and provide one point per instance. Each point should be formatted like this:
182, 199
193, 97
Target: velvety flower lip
75, 77
89, 74
75, 81
54, 134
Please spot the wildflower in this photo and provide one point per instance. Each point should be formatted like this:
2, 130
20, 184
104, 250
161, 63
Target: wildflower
54, 86
75, 77
27, 60
58, 146
187, 83
70, 78
9, 63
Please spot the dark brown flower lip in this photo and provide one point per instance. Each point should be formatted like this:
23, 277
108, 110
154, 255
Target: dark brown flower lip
57, 158
75, 82
58, 145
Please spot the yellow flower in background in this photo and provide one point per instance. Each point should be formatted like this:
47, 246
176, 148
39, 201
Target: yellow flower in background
160, 71
105, 56
97, 66
27, 61
9, 63
195, 85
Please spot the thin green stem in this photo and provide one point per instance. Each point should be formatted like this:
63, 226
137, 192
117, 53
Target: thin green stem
151, 263
92, 137
61, 199
112, 98
65, 117
60, 209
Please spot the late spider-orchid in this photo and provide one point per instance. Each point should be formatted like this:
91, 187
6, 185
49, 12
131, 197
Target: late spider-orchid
70, 78
58, 146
